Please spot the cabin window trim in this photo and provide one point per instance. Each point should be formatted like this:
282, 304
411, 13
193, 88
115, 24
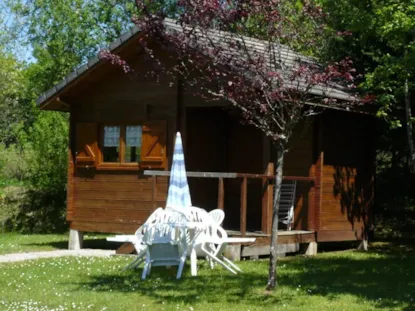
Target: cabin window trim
121, 164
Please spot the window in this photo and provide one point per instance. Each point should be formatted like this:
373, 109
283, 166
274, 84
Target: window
121, 146
132, 146
111, 147
133, 142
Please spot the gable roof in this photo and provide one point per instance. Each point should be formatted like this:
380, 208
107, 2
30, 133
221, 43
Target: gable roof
290, 57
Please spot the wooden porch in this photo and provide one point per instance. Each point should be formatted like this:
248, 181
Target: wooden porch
306, 235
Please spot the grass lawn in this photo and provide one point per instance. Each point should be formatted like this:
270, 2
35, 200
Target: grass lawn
348, 280
18, 243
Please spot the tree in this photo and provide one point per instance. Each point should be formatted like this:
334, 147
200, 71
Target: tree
11, 84
65, 33
382, 44
57, 36
264, 78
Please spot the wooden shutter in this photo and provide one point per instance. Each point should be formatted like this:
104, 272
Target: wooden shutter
86, 143
153, 148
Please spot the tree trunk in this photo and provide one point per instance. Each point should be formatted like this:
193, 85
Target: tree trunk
272, 277
409, 126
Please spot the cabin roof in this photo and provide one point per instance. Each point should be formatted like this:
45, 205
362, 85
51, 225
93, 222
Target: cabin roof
335, 91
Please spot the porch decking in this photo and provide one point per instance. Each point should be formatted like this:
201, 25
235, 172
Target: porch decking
284, 237
288, 242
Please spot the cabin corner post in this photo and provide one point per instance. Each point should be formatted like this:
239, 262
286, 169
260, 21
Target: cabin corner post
71, 167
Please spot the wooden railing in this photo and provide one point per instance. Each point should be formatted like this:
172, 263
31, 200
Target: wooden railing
266, 179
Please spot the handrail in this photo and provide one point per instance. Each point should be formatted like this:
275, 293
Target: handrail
227, 175
266, 180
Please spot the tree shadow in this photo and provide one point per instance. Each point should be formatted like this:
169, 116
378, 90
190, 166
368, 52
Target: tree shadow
353, 187
386, 280
90, 243
383, 278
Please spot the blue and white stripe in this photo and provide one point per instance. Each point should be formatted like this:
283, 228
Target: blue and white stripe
179, 194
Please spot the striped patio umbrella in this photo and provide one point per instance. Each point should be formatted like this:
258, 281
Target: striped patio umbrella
179, 194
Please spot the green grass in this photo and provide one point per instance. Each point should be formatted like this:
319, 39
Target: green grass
18, 243
381, 279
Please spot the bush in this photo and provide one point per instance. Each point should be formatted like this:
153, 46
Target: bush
39, 165
11, 200
13, 163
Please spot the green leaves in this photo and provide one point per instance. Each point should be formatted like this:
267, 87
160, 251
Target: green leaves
65, 33
382, 46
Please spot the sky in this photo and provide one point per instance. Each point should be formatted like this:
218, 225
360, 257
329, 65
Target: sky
13, 32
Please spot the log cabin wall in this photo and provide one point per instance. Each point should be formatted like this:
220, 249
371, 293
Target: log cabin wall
348, 176
118, 201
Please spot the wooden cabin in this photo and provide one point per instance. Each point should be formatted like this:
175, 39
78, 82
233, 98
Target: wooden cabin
121, 141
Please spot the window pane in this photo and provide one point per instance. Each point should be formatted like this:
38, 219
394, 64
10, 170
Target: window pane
133, 143
111, 150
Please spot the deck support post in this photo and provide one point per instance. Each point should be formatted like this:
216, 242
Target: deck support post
233, 252
311, 249
76, 239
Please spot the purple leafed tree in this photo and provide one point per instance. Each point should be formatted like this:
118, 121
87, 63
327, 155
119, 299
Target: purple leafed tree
245, 52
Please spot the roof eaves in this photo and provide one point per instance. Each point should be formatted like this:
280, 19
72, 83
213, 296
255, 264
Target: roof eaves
85, 67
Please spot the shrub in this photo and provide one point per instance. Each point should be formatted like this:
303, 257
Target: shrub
13, 163
40, 164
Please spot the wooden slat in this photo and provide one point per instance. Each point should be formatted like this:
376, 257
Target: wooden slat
118, 195
118, 186
336, 217
117, 176
330, 170
244, 186
116, 204
87, 226
221, 193
338, 225
339, 235
109, 214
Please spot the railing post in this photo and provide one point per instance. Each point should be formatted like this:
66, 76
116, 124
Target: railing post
153, 193
244, 192
221, 193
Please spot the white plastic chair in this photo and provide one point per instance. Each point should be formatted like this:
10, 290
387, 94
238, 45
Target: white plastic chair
287, 202
137, 239
212, 241
215, 241
217, 215
166, 242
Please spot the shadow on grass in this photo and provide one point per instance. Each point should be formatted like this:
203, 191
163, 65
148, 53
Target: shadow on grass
92, 243
383, 277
